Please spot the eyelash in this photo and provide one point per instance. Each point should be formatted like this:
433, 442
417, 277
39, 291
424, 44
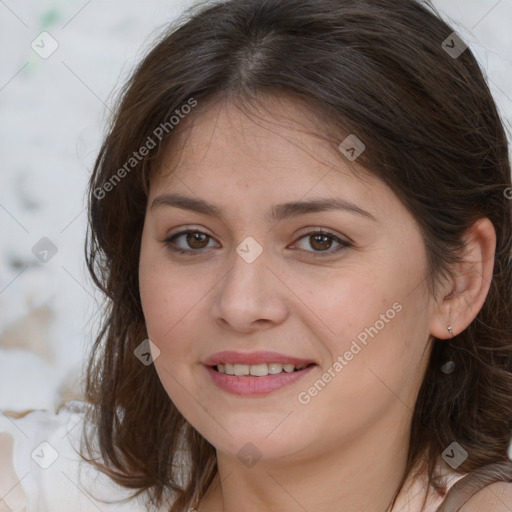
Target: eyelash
193, 252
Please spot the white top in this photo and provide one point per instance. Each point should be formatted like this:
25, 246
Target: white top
50, 476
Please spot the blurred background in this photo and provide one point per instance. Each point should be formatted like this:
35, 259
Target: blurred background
62, 63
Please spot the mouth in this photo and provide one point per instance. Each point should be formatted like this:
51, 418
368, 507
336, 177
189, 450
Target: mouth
255, 373
257, 379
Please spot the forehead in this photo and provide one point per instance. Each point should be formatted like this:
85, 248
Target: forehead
277, 131
273, 154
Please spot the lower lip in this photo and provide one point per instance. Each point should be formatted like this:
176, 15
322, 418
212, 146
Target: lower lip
253, 386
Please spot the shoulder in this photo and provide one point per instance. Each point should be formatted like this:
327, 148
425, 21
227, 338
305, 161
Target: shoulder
496, 497
41, 452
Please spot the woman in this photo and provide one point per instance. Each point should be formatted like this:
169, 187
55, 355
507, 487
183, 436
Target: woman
300, 219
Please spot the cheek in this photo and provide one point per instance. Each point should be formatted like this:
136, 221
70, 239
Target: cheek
173, 299
168, 305
164, 294
166, 301
340, 307
374, 328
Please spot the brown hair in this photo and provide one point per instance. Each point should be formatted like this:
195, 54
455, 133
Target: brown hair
375, 68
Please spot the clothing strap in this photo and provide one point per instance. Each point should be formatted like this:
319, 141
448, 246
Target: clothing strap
475, 481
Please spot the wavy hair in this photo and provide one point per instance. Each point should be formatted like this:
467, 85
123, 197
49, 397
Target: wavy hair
376, 68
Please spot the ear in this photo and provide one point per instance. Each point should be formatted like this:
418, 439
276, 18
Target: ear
464, 294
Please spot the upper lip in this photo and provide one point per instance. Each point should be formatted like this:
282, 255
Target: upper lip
232, 357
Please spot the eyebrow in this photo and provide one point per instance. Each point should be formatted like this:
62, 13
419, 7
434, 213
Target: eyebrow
277, 213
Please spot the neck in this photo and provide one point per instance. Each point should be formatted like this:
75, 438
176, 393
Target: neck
363, 473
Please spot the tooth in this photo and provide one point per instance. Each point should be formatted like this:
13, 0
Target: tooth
275, 368
241, 369
259, 370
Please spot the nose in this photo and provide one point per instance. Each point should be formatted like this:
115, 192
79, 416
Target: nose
250, 297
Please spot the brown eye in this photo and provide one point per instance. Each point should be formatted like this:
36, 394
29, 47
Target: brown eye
194, 241
321, 242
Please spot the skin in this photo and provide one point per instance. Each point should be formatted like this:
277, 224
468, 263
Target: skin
346, 449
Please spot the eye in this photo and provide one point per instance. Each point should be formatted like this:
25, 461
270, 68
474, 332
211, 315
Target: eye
194, 239
321, 241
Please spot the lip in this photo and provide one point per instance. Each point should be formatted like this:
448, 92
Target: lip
254, 386
232, 357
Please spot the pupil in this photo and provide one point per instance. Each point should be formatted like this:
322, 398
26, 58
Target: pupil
325, 239
193, 238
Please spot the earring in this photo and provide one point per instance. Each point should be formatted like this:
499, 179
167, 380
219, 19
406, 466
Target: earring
450, 330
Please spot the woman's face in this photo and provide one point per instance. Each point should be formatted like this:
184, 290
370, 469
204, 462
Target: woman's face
257, 276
